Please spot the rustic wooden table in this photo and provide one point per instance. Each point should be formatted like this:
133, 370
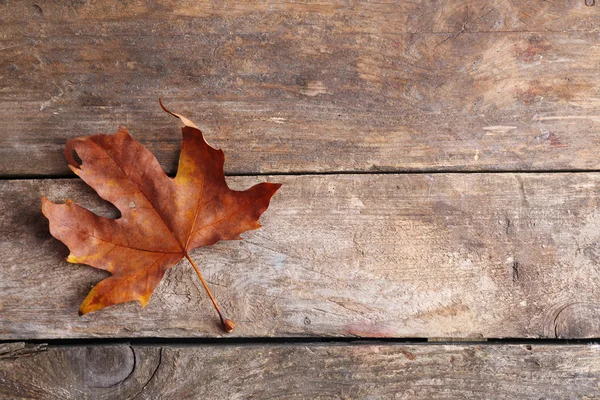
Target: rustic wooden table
437, 234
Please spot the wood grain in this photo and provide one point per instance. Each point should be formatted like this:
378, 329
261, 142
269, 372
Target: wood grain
129, 18
393, 255
393, 86
305, 372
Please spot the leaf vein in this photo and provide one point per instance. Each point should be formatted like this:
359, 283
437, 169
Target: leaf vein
147, 198
117, 244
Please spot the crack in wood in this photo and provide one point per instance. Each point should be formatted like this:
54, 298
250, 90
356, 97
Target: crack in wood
160, 356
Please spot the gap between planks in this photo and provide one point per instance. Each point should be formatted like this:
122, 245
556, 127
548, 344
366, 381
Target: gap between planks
437, 171
157, 341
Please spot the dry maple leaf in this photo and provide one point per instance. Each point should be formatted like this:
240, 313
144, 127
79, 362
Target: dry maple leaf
162, 218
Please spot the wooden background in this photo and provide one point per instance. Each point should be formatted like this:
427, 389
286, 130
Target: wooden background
437, 234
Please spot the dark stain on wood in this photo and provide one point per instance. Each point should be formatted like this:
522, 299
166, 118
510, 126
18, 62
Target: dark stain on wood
515, 271
537, 47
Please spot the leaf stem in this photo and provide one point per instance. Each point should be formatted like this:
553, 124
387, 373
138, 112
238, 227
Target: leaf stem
227, 324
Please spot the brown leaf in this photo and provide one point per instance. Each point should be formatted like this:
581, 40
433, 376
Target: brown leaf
162, 218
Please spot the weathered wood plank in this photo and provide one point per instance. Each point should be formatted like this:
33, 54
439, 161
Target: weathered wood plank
442, 255
305, 372
460, 85
183, 18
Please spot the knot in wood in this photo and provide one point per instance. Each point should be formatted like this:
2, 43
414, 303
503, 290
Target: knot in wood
107, 366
